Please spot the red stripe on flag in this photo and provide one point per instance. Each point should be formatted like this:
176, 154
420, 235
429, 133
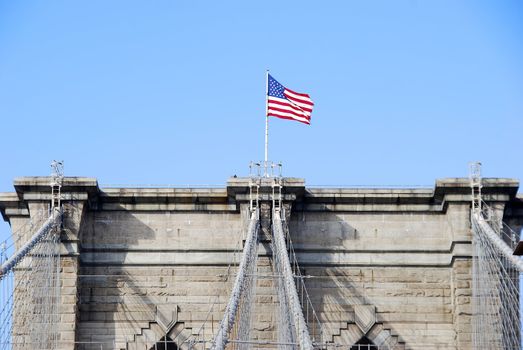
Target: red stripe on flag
301, 103
289, 118
298, 93
298, 101
280, 110
290, 104
276, 112
300, 97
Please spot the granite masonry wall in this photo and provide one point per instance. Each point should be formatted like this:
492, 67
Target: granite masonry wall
141, 265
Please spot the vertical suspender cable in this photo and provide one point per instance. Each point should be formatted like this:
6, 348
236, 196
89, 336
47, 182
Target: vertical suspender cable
232, 307
302, 331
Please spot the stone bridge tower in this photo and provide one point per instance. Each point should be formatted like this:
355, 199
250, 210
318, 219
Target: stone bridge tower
391, 267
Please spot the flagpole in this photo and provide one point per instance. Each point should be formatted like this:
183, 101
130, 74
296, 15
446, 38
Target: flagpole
266, 123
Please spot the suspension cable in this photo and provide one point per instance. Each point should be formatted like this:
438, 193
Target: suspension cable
249, 250
291, 293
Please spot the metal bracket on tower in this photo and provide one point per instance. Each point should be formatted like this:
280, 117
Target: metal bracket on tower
276, 166
271, 169
254, 194
254, 186
57, 175
254, 169
475, 185
277, 185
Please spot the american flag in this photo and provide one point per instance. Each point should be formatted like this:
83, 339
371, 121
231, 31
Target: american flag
287, 104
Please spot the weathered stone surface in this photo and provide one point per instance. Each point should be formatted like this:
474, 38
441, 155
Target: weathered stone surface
141, 262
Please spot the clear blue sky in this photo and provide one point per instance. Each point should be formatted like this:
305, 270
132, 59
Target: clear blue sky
172, 92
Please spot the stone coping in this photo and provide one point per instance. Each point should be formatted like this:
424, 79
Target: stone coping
228, 199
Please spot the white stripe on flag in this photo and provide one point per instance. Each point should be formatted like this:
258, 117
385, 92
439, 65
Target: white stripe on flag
299, 103
290, 116
304, 99
289, 107
291, 104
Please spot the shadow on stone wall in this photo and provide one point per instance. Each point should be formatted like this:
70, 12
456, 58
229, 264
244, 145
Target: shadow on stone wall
336, 291
117, 230
114, 298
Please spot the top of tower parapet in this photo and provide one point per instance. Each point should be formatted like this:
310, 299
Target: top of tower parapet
228, 199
